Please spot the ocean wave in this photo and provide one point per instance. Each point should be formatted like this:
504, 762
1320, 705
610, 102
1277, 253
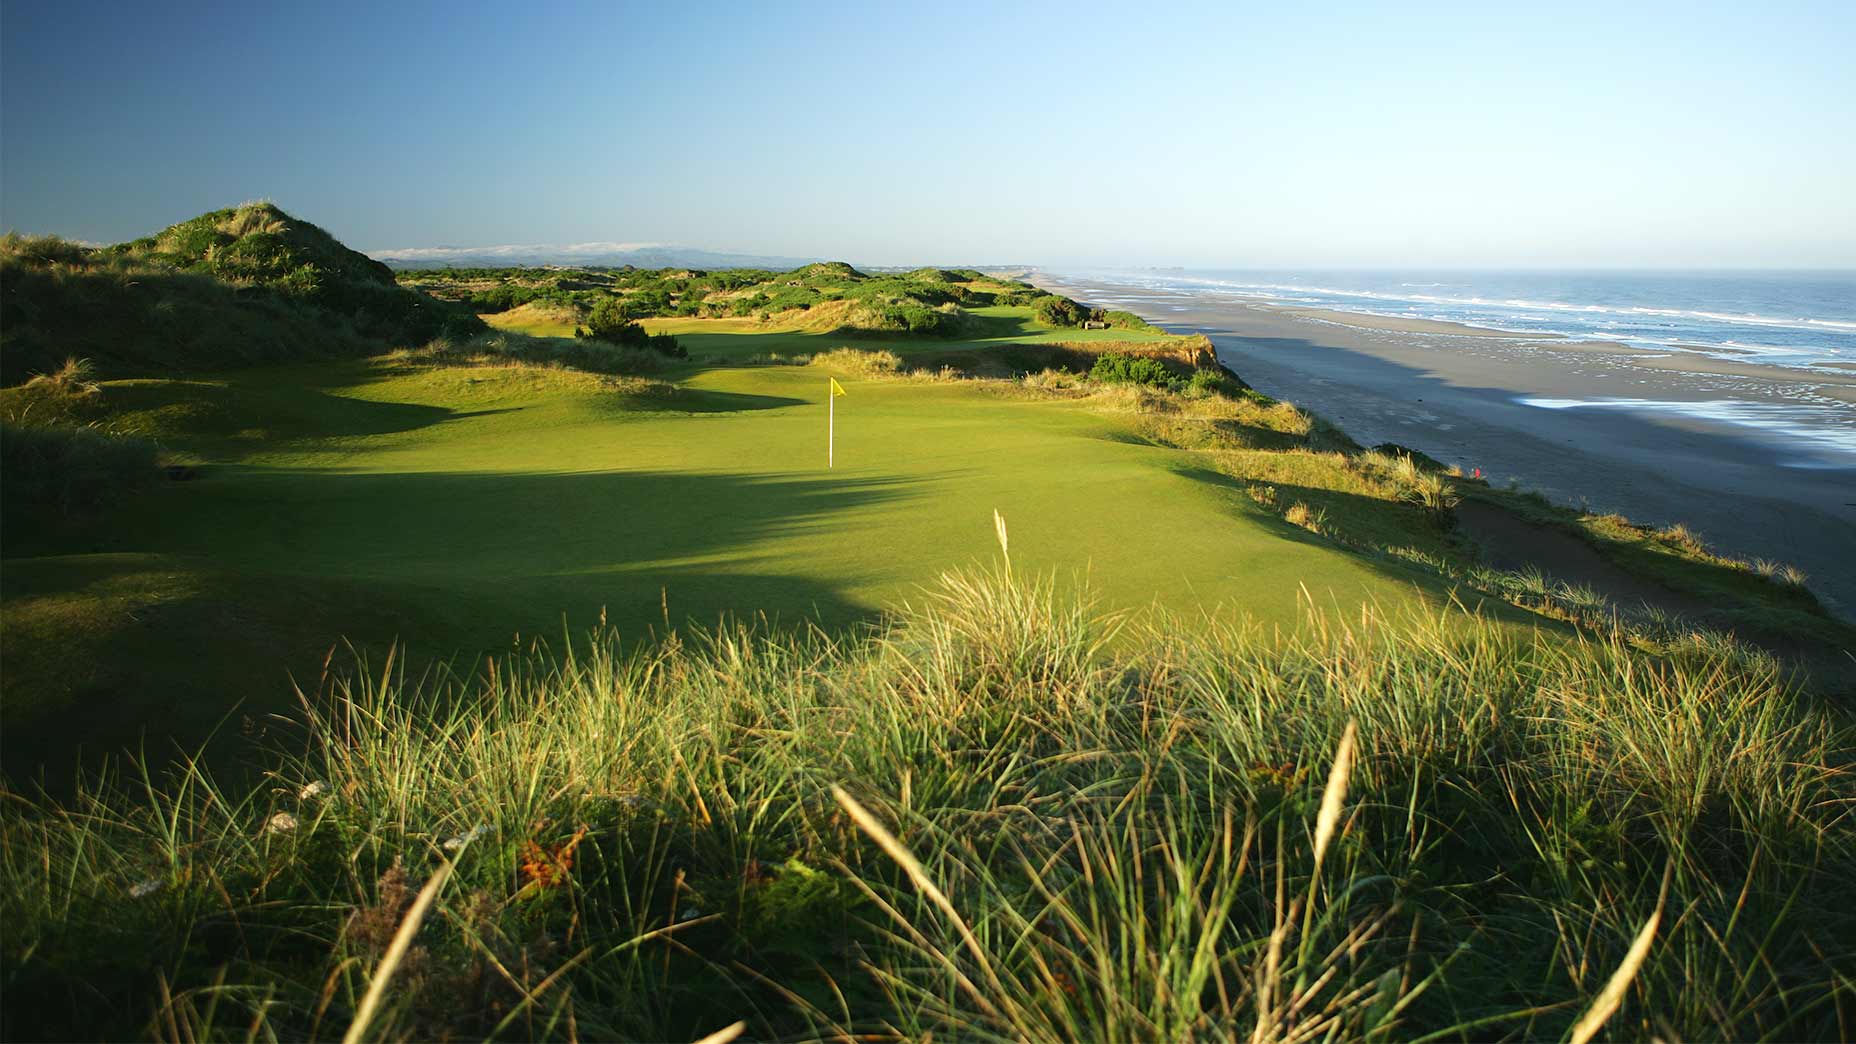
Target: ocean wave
1738, 318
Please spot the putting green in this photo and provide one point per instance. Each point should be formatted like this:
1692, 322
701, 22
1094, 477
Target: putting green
459, 508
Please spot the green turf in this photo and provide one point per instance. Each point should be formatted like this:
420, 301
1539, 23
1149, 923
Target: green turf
457, 508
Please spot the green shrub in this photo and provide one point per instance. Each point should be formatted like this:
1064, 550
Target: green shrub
1053, 310
1116, 368
1120, 320
1212, 382
610, 322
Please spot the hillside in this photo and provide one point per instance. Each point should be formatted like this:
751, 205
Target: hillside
236, 287
824, 297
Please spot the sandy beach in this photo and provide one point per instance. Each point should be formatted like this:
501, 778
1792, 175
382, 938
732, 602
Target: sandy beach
1733, 449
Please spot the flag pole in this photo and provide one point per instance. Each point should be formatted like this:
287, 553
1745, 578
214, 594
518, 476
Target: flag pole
831, 427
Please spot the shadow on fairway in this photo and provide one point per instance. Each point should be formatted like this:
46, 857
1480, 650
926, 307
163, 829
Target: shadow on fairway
518, 526
215, 671
239, 584
690, 400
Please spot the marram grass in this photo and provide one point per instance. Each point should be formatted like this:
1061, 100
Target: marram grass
983, 820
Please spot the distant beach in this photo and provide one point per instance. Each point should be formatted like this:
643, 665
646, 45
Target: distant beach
1758, 456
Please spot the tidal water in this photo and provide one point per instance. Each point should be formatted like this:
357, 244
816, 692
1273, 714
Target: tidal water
1786, 318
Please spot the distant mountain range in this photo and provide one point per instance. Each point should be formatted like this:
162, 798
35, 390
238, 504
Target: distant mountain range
640, 255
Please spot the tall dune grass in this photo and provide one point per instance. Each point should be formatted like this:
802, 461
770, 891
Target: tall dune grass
985, 819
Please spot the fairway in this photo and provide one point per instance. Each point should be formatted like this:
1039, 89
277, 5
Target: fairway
460, 510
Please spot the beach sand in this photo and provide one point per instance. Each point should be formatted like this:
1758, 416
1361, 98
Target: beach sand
1458, 394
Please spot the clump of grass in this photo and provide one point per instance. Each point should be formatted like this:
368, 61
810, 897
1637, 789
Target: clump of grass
1426, 487
1315, 520
71, 379
1053, 380
877, 363
1681, 536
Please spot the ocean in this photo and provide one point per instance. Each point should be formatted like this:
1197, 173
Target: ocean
1786, 318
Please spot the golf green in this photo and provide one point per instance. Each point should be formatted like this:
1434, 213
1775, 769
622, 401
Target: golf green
462, 509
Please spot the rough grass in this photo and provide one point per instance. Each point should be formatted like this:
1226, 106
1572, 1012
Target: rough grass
999, 816
587, 355
52, 477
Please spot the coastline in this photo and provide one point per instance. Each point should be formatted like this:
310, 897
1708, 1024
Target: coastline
1727, 447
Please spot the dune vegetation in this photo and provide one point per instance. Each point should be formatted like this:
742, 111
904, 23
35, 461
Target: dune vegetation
542, 681
237, 287
1001, 815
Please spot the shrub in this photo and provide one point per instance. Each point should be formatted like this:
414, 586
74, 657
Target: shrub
1116, 368
610, 322
1121, 320
1019, 297
1052, 310
1212, 382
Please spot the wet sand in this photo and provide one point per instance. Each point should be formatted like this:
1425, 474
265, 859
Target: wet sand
1459, 394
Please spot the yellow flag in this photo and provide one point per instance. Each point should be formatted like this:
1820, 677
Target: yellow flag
836, 388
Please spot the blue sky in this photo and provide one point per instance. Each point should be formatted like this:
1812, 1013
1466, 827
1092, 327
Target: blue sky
1216, 135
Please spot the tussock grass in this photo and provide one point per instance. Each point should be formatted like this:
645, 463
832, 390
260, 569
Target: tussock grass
858, 361
505, 348
73, 379
53, 476
999, 815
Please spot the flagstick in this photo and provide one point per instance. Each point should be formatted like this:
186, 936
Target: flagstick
831, 427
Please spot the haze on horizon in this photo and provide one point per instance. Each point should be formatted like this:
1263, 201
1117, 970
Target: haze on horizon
1431, 135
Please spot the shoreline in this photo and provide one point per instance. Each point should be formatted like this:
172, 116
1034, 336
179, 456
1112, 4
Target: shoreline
1739, 451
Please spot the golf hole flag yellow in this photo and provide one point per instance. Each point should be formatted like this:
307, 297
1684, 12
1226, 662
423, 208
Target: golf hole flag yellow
831, 423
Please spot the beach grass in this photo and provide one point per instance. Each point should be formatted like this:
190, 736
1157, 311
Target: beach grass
1004, 812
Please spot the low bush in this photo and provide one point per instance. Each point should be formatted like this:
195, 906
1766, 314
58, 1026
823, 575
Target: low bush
1116, 368
1120, 320
611, 322
1052, 310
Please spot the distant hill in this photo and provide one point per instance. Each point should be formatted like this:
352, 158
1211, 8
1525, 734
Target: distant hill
614, 255
240, 286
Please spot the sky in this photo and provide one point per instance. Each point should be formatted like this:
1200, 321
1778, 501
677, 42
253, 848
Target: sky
1218, 135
